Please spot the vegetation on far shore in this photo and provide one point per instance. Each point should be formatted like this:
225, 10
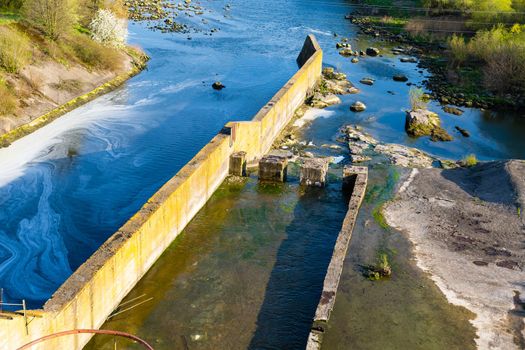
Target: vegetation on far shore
480, 44
89, 33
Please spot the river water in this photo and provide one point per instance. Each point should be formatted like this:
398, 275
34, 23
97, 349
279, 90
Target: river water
68, 186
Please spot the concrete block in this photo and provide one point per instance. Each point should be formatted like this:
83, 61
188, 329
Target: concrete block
273, 169
238, 164
313, 172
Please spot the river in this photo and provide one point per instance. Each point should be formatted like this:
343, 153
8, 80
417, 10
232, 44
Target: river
67, 187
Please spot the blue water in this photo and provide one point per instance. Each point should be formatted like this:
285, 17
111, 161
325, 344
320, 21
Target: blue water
67, 187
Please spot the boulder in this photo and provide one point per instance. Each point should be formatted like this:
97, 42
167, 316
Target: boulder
421, 122
372, 51
355, 60
322, 101
408, 60
367, 81
358, 106
346, 52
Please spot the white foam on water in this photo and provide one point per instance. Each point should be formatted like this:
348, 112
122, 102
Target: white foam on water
312, 114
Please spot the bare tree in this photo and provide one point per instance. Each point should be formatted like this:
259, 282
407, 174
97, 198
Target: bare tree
52, 17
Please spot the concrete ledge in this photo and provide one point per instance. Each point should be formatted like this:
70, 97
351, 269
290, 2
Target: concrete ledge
96, 288
357, 178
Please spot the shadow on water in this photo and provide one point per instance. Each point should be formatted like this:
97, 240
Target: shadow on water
248, 269
295, 283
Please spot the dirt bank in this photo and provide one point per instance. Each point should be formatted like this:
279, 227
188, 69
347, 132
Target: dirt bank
61, 89
468, 233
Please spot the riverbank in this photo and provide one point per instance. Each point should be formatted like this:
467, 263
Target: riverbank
464, 81
41, 109
467, 228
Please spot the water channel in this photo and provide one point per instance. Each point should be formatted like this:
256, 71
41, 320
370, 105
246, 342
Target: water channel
70, 185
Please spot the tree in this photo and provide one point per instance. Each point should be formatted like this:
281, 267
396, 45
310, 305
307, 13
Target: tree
53, 17
108, 30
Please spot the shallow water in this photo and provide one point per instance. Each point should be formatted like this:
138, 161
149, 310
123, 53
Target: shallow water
246, 273
69, 186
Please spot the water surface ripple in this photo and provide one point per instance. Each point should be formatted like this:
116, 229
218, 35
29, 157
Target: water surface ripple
67, 187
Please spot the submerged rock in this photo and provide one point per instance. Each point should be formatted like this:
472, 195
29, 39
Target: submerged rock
453, 110
358, 106
400, 78
463, 131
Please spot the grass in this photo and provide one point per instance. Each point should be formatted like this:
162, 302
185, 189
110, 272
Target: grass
470, 160
8, 17
15, 49
8, 104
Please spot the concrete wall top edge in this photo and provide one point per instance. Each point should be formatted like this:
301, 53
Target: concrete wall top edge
87, 270
78, 280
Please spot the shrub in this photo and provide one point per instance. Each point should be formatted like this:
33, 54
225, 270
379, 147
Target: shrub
94, 54
459, 49
108, 30
470, 160
505, 70
15, 51
418, 99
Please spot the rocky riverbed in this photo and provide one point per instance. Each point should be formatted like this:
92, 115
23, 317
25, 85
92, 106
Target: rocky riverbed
444, 83
468, 231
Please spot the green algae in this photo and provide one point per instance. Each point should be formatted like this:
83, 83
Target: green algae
405, 311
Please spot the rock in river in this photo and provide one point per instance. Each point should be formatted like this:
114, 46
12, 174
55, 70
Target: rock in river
367, 81
421, 122
358, 106
401, 78
372, 51
218, 85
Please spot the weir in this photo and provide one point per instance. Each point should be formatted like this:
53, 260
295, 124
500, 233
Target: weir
96, 288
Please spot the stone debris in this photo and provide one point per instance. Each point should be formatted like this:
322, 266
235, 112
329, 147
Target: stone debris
404, 156
360, 141
359, 159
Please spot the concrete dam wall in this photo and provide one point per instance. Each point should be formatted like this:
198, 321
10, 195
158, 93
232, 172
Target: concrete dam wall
88, 296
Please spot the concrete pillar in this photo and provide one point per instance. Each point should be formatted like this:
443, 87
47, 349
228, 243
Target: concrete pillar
350, 176
238, 164
313, 172
273, 169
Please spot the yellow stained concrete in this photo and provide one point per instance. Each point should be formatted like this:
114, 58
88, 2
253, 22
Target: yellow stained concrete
98, 286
